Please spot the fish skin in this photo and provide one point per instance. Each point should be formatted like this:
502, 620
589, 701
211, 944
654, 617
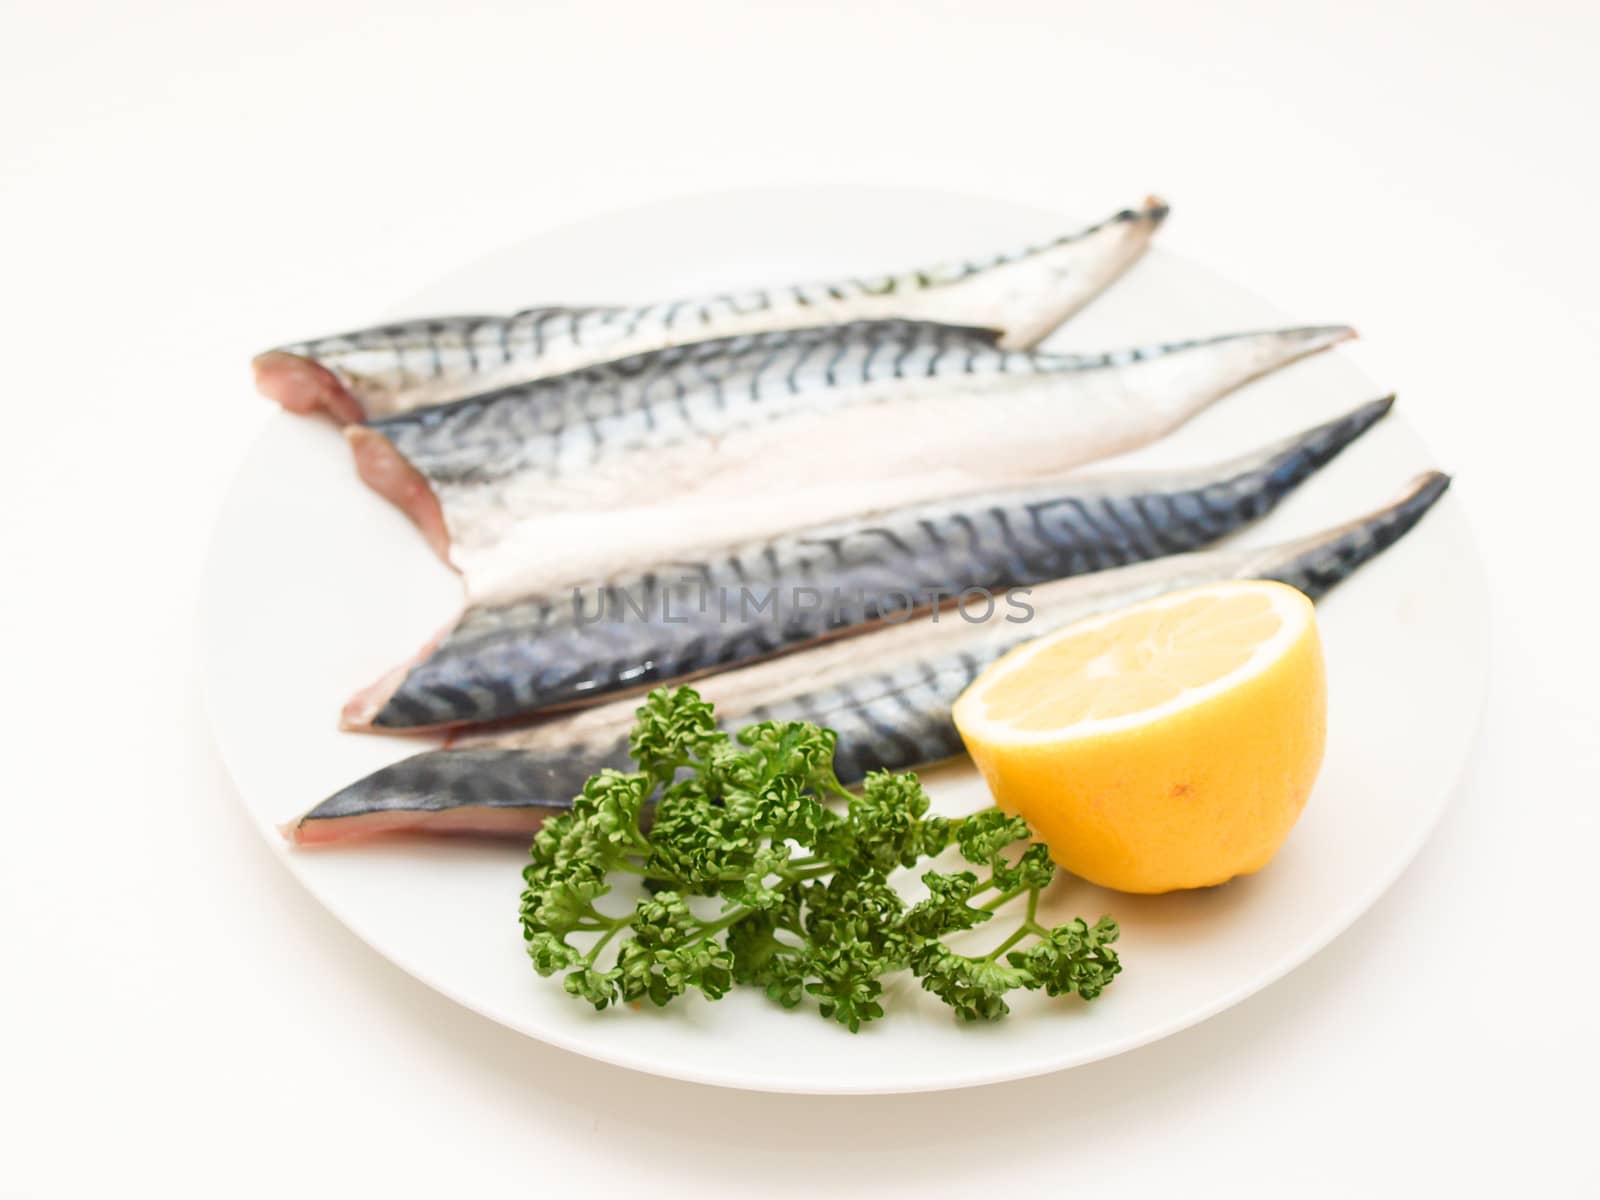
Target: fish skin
405, 365
887, 693
556, 649
524, 486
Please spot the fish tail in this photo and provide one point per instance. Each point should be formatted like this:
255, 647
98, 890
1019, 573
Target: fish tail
1319, 563
1168, 383
1279, 347
1215, 367
1145, 219
1077, 267
1276, 471
1155, 211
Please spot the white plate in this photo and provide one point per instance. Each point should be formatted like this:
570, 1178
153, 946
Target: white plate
314, 585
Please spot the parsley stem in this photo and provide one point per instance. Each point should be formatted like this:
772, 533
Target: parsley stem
618, 927
1029, 927
712, 928
1002, 898
1031, 921
813, 867
816, 872
1011, 941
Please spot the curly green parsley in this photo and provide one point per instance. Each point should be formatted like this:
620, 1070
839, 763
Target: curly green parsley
796, 872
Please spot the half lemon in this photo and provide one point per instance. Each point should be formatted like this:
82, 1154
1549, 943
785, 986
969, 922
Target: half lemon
1167, 745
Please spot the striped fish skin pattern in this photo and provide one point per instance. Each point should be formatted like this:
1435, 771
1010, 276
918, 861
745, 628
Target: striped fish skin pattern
388, 369
567, 424
674, 620
725, 427
888, 694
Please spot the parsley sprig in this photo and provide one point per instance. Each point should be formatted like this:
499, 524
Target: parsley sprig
793, 871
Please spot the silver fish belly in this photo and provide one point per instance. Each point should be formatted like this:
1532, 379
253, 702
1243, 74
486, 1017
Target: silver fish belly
887, 693
741, 438
729, 606
388, 369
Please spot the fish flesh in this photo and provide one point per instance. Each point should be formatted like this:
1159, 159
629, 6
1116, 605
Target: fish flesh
887, 693
563, 479
678, 619
394, 368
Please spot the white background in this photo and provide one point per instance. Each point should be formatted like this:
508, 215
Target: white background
185, 184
